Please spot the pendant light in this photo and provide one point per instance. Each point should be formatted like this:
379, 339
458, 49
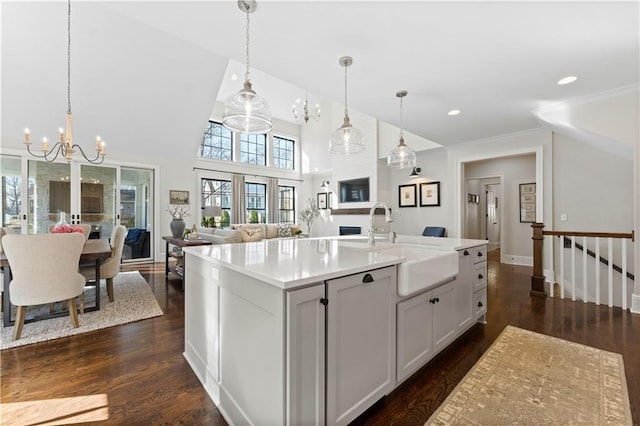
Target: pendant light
246, 111
346, 139
402, 156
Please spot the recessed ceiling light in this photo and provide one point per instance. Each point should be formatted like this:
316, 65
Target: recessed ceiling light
567, 80
234, 77
454, 112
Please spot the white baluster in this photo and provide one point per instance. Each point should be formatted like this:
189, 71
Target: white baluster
584, 269
610, 258
624, 273
573, 268
597, 270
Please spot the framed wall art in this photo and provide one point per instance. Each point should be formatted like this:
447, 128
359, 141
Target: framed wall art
323, 203
178, 197
407, 196
527, 202
430, 194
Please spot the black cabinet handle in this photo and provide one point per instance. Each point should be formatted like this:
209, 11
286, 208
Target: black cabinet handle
479, 254
324, 301
480, 276
480, 305
367, 278
466, 253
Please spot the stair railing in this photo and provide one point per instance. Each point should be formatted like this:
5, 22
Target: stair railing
538, 279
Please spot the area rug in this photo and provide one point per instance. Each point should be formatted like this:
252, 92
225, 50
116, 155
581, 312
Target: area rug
133, 301
529, 378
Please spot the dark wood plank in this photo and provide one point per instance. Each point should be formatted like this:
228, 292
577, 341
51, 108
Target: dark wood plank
141, 369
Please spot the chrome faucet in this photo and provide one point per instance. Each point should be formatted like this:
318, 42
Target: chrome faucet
388, 217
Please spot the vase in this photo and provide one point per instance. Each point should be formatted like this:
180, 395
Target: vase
177, 227
62, 220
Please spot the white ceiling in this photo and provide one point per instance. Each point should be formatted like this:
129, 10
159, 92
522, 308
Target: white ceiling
495, 61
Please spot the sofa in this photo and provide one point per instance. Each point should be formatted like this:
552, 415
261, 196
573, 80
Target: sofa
248, 232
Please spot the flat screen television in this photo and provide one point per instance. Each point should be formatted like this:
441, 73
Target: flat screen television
353, 191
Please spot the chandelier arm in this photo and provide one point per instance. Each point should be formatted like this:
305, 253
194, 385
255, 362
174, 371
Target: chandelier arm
99, 156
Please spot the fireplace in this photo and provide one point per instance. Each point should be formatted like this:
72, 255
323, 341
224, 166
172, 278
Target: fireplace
350, 230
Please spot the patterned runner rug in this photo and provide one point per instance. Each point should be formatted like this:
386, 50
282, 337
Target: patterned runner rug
531, 378
133, 301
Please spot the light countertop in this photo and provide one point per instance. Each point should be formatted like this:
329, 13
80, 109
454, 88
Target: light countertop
289, 263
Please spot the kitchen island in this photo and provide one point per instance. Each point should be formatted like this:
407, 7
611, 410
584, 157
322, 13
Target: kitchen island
294, 331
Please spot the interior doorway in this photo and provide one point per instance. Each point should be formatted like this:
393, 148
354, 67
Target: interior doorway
492, 215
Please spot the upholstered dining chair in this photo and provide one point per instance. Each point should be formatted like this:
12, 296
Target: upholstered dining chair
110, 267
45, 270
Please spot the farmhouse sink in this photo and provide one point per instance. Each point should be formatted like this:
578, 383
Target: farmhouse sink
422, 268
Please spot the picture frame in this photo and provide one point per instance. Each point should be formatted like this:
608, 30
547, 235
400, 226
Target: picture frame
322, 200
407, 196
178, 197
527, 192
430, 194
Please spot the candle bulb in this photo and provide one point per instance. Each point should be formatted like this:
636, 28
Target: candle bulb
61, 133
102, 148
98, 143
27, 135
45, 144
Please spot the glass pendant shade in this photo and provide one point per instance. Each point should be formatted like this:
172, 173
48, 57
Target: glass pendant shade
401, 157
247, 112
346, 139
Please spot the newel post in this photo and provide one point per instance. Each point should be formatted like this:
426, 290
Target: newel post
537, 280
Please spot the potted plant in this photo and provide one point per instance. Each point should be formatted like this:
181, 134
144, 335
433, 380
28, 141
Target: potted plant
309, 213
178, 212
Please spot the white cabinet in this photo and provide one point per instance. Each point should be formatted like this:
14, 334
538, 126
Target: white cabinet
479, 279
426, 324
305, 356
361, 341
462, 292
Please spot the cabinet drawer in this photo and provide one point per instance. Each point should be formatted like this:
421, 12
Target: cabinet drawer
479, 276
479, 254
479, 303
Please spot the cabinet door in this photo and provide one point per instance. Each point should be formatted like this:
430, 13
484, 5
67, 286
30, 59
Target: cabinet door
462, 292
414, 334
443, 318
305, 356
360, 342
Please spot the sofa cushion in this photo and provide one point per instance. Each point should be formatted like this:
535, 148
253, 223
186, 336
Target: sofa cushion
203, 230
284, 230
271, 230
233, 235
295, 229
250, 234
218, 239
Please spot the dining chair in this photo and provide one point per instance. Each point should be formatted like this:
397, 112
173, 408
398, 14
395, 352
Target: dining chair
110, 267
45, 270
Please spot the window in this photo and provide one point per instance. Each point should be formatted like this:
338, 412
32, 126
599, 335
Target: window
253, 149
217, 192
283, 153
255, 201
286, 204
216, 142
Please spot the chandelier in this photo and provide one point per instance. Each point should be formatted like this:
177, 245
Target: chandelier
305, 111
64, 145
401, 156
246, 111
346, 139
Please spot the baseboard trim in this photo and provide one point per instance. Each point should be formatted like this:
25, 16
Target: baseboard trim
516, 260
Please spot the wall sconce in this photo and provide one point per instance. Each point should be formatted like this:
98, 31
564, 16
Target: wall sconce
325, 185
416, 172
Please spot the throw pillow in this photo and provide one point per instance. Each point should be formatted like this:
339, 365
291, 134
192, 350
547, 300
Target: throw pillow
295, 229
250, 235
284, 230
272, 230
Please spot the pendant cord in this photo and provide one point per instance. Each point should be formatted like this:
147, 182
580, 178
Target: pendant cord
401, 126
345, 91
69, 58
247, 76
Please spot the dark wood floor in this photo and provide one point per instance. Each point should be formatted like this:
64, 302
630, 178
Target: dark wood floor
140, 368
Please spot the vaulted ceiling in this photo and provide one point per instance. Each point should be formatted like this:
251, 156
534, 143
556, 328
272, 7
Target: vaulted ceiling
146, 75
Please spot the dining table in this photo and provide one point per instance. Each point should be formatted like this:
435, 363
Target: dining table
95, 251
